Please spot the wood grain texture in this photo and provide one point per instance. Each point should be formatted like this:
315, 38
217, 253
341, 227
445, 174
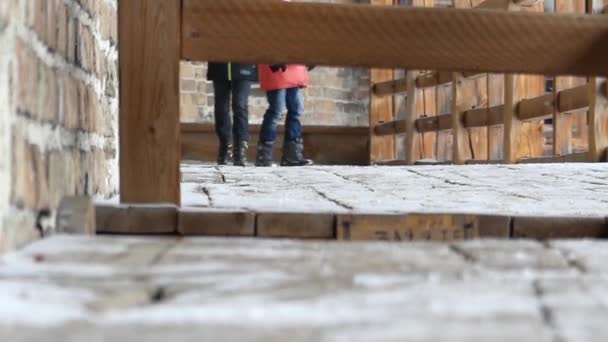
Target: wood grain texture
136, 219
205, 222
389, 37
567, 124
381, 109
460, 104
149, 32
598, 119
411, 227
295, 225
411, 114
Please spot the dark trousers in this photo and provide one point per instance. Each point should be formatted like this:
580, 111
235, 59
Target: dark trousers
277, 101
237, 129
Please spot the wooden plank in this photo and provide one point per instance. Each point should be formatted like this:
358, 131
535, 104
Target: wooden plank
598, 119
433, 124
429, 139
512, 125
543, 228
295, 225
205, 222
564, 125
409, 227
390, 87
581, 157
572, 45
411, 114
495, 227
536, 107
444, 138
475, 95
496, 95
136, 219
460, 148
380, 111
482, 117
573, 99
149, 44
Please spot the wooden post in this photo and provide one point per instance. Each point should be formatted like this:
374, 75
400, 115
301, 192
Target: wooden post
149, 43
411, 134
381, 110
460, 142
598, 119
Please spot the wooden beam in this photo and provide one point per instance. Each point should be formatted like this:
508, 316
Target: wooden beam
295, 225
484, 117
136, 219
441, 122
598, 119
573, 99
461, 144
571, 44
411, 227
564, 124
535, 108
149, 44
390, 87
544, 228
411, 134
210, 222
381, 110
512, 125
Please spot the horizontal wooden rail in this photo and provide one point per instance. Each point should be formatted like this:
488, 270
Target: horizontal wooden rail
394, 37
568, 100
390, 87
483, 117
423, 81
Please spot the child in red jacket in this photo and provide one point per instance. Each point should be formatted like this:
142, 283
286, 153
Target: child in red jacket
282, 84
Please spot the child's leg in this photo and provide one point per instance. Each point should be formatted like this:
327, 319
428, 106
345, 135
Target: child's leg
240, 110
293, 147
276, 105
268, 132
295, 109
223, 124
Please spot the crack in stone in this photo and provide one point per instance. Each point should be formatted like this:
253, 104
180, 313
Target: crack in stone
546, 312
207, 192
318, 192
468, 257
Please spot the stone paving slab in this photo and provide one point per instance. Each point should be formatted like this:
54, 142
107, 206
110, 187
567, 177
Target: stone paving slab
158, 289
579, 190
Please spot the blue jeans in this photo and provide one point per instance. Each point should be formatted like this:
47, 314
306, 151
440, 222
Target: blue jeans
277, 100
238, 127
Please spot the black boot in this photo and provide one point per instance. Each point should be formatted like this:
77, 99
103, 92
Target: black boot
264, 154
224, 155
239, 155
293, 154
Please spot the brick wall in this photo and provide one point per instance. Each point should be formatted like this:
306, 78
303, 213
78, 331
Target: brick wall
58, 98
336, 96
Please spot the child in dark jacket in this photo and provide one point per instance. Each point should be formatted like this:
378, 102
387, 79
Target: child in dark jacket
232, 80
